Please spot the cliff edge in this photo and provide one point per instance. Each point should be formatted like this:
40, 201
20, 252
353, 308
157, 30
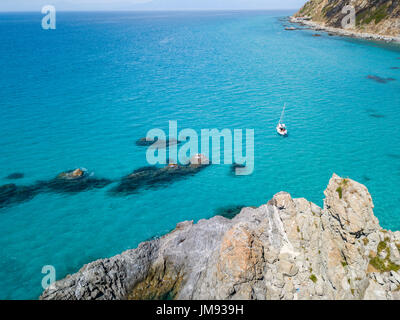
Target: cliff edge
375, 19
286, 249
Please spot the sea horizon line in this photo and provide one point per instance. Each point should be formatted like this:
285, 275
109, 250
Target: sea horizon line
153, 10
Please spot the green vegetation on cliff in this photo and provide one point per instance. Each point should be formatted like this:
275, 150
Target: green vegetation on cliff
382, 261
372, 14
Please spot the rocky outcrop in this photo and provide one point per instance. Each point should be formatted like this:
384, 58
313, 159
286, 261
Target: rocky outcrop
286, 249
374, 19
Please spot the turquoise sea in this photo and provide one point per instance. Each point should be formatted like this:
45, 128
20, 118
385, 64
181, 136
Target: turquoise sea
81, 95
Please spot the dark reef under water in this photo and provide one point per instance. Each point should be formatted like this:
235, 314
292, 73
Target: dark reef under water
380, 79
79, 184
376, 115
143, 142
154, 177
366, 178
15, 176
79, 180
393, 155
230, 211
11, 194
373, 113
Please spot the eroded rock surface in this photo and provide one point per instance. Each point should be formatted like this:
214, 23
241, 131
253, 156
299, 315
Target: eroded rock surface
286, 249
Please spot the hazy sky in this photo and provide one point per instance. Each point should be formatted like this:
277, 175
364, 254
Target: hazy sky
36, 5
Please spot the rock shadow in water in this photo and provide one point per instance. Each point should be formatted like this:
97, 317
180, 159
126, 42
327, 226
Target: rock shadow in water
393, 155
11, 194
380, 79
135, 180
154, 177
15, 176
230, 211
373, 114
73, 181
143, 142
366, 178
66, 182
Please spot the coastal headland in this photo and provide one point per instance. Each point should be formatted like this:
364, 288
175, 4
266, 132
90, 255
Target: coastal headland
373, 19
286, 249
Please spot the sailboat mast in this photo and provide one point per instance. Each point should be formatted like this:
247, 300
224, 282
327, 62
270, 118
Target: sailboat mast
283, 112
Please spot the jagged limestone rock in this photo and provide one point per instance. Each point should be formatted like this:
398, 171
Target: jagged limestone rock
286, 249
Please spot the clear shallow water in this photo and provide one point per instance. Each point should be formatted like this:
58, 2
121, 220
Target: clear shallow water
81, 95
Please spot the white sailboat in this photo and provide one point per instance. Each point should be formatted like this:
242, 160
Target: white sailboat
281, 127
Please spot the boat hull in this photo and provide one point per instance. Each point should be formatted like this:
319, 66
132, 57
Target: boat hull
281, 132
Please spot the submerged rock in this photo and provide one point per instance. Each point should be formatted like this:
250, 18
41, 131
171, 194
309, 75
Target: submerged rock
15, 176
393, 155
143, 142
376, 115
135, 180
229, 212
379, 79
373, 113
154, 177
11, 194
366, 178
73, 181
286, 249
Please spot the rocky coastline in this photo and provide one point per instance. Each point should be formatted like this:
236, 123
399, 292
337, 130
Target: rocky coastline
377, 20
286, 249
343, 32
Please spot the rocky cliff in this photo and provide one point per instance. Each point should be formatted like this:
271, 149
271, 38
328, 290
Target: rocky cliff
373, 17
286, 249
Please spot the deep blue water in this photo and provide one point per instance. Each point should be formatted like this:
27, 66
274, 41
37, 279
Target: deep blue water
80, 96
